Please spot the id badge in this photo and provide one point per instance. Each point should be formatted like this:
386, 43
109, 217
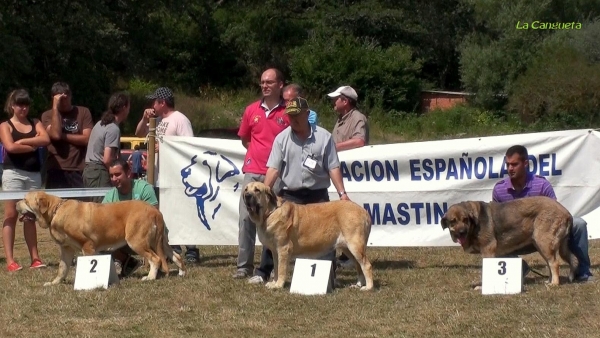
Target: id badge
310, 162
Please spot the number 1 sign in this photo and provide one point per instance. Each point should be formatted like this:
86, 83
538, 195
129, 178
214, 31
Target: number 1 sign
311, 277
95, 272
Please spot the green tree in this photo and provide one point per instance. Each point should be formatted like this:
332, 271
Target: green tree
388, 76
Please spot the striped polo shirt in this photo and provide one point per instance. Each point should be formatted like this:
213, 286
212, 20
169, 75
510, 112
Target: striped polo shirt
534, 186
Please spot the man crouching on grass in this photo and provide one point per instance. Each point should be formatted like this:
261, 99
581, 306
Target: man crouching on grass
125, 189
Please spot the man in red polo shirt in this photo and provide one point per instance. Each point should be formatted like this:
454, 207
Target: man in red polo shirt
262, 121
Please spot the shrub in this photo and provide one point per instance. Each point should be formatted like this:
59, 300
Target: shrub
386, 75
560, 85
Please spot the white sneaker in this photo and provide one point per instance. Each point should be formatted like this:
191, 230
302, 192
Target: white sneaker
256, 280
118, 267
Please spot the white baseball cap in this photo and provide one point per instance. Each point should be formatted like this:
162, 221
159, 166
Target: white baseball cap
347, 91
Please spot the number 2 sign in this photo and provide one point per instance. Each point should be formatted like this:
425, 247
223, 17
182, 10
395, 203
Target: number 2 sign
94, 272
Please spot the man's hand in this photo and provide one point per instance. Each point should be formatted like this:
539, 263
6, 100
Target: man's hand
148, 113
56, 101
345, 197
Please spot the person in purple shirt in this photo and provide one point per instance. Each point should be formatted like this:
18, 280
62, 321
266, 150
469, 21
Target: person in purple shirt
519, 184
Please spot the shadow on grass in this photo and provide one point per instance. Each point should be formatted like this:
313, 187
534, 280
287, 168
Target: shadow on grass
218, 261
392, 265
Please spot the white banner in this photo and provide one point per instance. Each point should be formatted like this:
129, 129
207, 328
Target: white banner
406, 187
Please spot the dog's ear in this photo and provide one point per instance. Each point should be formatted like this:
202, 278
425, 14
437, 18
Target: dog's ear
272, 197
444, 222
41, 200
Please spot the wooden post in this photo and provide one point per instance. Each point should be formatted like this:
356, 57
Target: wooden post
151, 150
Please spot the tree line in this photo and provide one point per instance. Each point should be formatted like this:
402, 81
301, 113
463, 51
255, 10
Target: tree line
389, 50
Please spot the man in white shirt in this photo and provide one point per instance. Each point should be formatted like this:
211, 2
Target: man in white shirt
170, 122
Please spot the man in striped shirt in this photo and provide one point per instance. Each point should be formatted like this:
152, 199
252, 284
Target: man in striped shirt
520, 183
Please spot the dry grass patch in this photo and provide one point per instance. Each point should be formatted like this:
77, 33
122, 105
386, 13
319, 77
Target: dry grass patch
419, 292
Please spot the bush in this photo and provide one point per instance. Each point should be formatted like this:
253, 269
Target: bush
560, 85
385, 75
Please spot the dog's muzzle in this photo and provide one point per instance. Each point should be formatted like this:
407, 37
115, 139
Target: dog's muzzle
251, 203
27, 215
460, 236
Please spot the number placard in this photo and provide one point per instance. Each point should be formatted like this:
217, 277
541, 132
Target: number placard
311, 277
94, 272
501, 276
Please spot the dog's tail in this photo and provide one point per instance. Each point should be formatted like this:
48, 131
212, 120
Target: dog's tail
161, 241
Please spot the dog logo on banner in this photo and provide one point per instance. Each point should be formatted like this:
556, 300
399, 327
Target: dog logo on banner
220, 171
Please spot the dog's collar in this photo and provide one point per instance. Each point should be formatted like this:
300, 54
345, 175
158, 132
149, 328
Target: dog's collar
58, 206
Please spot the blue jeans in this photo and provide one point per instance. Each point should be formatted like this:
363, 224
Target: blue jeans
578, 243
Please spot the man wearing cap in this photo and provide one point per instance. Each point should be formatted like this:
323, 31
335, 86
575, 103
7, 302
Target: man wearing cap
261, 122
305, 159
170, 122
350, 131
292, 91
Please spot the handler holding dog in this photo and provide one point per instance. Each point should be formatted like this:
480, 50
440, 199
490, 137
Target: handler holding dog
521, 184
127, 189
305, 159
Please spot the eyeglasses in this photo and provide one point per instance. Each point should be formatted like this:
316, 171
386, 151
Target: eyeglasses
268, 83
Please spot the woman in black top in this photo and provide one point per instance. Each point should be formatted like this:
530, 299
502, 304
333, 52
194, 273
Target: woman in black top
21, 137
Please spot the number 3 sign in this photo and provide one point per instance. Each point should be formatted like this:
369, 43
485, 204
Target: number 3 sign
95, 272
502, 276
311, 277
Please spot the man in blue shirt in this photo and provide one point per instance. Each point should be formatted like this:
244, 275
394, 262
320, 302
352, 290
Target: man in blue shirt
136, 160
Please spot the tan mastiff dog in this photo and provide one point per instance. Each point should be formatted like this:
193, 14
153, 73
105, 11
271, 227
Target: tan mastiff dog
292, 230
524, 225
93, 227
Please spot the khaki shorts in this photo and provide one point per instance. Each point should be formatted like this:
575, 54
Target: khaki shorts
17, 179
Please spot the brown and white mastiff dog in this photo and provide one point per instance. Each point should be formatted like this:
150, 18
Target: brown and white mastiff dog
93, 227
524, 225
293, 230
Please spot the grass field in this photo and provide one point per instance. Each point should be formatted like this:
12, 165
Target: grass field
420, 292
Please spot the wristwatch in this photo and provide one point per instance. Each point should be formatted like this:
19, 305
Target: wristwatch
341, 193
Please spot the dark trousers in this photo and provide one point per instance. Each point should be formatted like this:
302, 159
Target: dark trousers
96, 175
303, 196
63, 179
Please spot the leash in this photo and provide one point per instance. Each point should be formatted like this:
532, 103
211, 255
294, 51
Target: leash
538, 273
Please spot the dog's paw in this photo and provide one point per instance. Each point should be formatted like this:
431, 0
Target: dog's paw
273, 285
48, 284
477, 288
181, 273
365, 288
549, 284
